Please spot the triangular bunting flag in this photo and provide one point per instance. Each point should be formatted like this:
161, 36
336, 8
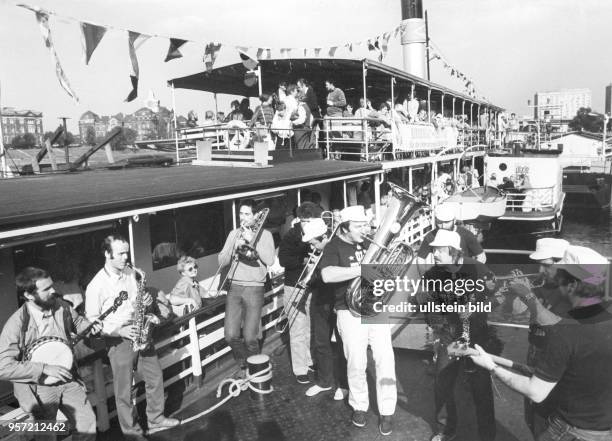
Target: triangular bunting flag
210, 55
396, 31
43, 22
247, 61
173, 49
91, 37
260, 52
305, 52
135, 40
332, 51
317, 51
349, 46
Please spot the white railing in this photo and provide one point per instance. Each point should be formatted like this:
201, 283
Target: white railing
531, 199
188, 338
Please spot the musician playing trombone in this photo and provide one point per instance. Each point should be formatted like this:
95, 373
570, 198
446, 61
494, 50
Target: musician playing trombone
247, 276
293, 254
45, 315
340, 264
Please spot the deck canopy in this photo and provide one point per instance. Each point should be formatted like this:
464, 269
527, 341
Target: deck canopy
347, 73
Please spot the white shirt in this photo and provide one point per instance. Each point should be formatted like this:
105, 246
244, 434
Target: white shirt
101, 294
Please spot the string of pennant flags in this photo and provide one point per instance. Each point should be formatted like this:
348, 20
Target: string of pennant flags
468, 83
92, 34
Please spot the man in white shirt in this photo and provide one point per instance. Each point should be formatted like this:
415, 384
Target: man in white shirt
119, 331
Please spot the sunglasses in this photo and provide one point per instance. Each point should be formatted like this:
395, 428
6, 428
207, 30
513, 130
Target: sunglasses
192, 268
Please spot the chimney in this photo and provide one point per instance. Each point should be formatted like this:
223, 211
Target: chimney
414, 38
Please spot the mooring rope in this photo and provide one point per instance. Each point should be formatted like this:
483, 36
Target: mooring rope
236, 385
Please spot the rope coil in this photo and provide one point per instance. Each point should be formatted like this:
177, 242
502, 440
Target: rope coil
236, 386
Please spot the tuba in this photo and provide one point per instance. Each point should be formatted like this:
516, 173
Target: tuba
143, 320
247, 251
387, 250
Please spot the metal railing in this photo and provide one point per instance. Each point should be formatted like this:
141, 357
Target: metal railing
531, 199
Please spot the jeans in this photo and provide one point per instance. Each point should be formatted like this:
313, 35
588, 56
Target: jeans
558, 430
122, 360
71, 399
243, 310
331, 364
444, 394
356, 336
299, 330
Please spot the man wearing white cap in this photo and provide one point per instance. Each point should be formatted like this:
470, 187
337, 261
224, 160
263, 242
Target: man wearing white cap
340, 264
331, 367
577, 357
445, 220
545, 306
452, 268
293, 254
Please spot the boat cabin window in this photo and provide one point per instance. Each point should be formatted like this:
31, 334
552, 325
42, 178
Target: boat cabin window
193, 231
503, 166
71, 260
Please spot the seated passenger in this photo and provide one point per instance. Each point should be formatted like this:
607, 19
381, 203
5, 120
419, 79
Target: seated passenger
187, 293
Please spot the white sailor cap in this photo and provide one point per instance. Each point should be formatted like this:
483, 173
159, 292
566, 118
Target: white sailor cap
549, 248
313, 228
585, 264
445, 213
355, 213
447, 238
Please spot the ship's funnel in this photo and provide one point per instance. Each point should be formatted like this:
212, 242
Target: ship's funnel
414, 38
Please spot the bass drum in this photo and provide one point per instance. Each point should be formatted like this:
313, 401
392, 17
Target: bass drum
50, 350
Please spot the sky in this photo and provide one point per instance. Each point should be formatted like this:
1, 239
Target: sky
510, 48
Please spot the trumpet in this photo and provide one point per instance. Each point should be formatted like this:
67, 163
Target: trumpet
535, 280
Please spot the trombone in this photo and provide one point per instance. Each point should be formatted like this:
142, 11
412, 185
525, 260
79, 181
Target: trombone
290, 305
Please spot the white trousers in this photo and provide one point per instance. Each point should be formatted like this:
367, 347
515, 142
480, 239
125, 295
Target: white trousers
299, 333
356, 337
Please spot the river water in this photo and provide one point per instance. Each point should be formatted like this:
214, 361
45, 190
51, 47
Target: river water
591, 229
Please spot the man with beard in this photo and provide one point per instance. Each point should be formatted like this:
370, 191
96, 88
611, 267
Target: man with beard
574, 364
546, 307
449, 281
40, 388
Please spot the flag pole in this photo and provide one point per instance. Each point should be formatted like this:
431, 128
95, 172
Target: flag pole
3, 170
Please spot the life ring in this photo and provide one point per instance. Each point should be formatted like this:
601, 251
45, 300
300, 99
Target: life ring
238, 135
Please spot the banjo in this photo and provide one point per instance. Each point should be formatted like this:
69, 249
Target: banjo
57, 351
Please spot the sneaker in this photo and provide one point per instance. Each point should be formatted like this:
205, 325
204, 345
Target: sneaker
359, 418
316, 389
443, 437
302, 379
340, 394
163, 424
385, 425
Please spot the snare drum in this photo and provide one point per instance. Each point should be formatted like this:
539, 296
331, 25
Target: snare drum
50, 350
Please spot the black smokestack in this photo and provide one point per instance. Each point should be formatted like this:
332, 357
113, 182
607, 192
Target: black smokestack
412, 9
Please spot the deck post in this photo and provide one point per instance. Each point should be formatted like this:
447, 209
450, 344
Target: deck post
194, 349
364, 74
234, 214
100, 392
429, 105
454, 99
442, 105
299, 197
393, 131
377, 182
344, 193
176, 143
410, 181
471, 123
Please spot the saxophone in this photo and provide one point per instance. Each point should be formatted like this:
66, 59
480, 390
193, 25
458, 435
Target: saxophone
142, 320
387, 251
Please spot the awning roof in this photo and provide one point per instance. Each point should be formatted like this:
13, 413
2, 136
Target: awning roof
346, 72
